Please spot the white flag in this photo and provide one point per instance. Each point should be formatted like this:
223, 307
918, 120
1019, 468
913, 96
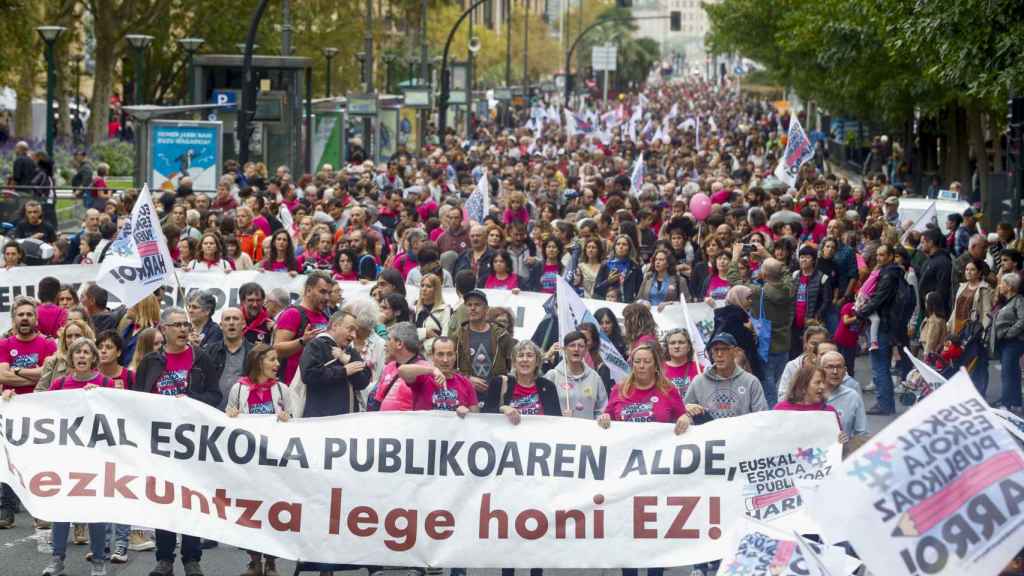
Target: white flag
570, 124
700, 351
478, 205
571, 313
636, 180
138, 261
929, 374
673, 112
798, 150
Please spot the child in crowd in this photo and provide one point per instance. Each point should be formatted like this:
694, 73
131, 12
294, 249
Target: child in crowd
864, 294
847, 333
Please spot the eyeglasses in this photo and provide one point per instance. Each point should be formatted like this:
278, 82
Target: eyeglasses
179, 325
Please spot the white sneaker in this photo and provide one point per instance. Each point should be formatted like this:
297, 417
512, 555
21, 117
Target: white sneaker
55, 567
99, 568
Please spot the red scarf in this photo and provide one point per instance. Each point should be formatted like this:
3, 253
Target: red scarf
258, 324
259, 392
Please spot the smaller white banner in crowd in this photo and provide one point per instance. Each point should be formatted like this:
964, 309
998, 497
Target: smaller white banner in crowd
939, 491
414, 488
527, 307
799, 149
138, 261
759, 549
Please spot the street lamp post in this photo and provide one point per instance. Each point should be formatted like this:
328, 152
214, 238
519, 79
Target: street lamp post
442, 102
139, 42
190, 46
49, 34
572, 47
389, 59
329, 54
507, 8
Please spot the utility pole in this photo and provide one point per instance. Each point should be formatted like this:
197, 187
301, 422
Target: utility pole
286, 29
424, 71
368, 138
526, 49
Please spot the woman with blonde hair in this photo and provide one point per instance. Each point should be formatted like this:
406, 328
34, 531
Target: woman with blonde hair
58, 365
144, 314
148, 340
432, 314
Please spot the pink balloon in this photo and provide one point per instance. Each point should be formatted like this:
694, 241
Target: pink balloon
700, 206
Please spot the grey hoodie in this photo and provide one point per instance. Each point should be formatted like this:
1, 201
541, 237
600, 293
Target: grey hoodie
587, 396
721, 397
850, 406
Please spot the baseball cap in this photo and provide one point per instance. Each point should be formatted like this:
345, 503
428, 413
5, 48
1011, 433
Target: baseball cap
478, 294
723, 338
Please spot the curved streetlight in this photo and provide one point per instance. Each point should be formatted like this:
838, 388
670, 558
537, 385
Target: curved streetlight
50, 34
568, 55
139, 43
442, 102
190, 46
248, 85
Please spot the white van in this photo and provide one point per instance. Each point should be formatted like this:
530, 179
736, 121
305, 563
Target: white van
913, 208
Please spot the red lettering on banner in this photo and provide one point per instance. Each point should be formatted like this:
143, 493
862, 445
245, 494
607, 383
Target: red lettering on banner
641, 517
486, 516
579, 522
82, 481
294, 511
538, 517
45, 484
440, 524
362, 515
114, 483
407, 531
686, 505
250, 508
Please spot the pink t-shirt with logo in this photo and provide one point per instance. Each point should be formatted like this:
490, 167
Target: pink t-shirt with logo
290, 320
527, 400
393, 393
645, 405
174, 380
458, 391
26, 354
681, 376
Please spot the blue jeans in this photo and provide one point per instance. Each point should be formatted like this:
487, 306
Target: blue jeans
1009, 354
832, 319
97, 539
191, 551
119, 536
881, 372
772, 374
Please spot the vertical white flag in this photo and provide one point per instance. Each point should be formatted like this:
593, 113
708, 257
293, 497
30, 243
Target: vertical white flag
571, 313
700, 351
138, 261
636, 179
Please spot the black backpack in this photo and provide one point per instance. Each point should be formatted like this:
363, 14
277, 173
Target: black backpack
901, 312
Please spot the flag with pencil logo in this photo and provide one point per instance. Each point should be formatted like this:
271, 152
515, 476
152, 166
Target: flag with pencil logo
938, 491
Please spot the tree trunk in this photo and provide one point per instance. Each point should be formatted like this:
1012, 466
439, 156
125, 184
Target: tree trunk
103, 78
998, 165
26, 89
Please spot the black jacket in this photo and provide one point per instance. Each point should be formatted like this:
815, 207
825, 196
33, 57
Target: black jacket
24, 170
483, 269
218, 353
545, 388
937, 276
733, 320
329, 388
882, 301
630, 286
202, 385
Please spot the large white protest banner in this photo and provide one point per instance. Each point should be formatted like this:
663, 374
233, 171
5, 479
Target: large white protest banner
138, 261
798, 150
527, 307
413, 489
939, 491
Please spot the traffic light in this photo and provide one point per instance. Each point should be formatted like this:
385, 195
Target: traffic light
676, 21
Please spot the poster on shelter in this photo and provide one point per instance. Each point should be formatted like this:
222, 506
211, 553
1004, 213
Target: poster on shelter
178, 149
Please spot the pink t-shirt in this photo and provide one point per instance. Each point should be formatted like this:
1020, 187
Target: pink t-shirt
26, 354
174, 381
645, 405
493, 283
718, 287
262, 223
680, 376
458, 391
290, 320
393, 393
846, 336
800, 317
50, 319
275, 266
527, 400
426, 209
69, 382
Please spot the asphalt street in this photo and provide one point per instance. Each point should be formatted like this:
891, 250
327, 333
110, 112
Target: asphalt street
20, 554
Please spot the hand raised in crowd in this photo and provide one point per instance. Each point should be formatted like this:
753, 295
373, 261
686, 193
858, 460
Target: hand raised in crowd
354, 367
309, 334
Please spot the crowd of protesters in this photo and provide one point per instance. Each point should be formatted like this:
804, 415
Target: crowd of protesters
801, 280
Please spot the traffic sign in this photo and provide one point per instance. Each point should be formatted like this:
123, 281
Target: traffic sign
604, 58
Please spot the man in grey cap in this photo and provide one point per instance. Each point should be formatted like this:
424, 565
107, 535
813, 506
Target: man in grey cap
483, 349
725, 390
892, 213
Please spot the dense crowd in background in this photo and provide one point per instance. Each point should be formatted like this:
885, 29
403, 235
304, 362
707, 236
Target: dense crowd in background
802, 280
